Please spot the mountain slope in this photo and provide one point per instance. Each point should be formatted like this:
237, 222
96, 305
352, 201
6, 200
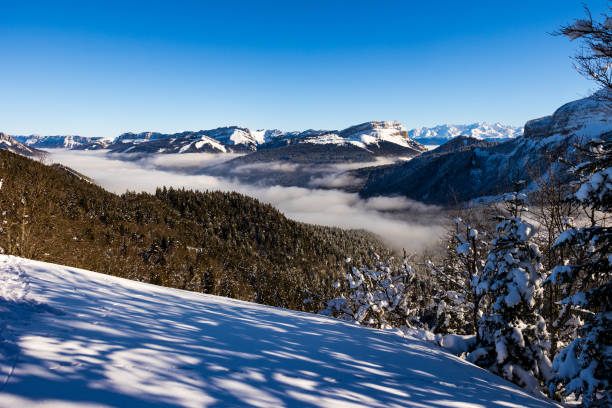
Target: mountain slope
303, 158
74, 338
213, 242
378, 138
446, 176
12, 145
219, 140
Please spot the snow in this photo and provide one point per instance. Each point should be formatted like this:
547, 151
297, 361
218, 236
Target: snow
565, 236
480, 130
183, 149
211, 142
367, 134
456, 343
464, 249
74, 338
240, 136
598, 184
329, 138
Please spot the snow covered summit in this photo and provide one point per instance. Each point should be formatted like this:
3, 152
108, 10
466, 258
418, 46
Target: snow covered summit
584, 119
73, 338
367, 134
63, 142
481, 130
13, 145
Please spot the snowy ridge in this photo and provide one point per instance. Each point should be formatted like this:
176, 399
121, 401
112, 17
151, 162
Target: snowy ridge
583, 119
204, 141
230, 136
367, 134
235, 139
478, 172
104, 341
481, 130
63, 141
13, 145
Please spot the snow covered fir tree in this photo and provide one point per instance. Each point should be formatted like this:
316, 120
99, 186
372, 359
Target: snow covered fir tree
456, 301
513, 340
583, 367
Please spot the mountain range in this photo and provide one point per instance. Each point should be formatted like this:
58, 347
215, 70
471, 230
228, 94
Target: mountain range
372, 158
15, 146
443, 133
368, 135
467, 168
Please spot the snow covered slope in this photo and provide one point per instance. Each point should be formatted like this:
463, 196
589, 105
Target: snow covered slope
378, 137
368, 134
12, 145
218, 140
63, 142
442, 176
585, 118
443, 133
73, 338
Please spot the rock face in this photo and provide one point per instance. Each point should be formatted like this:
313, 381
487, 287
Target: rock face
584, 118
462, 173
538, 128
12, 145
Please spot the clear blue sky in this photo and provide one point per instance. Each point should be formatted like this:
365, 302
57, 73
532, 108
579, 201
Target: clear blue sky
99, 68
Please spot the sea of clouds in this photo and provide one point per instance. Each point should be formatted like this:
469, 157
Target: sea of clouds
400, 222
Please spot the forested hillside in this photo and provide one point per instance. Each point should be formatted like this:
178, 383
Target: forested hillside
212, 242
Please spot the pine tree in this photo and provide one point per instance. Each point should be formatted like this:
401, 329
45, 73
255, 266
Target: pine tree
456, 303
584, 367
513, 341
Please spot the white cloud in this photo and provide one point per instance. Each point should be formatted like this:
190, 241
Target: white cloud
268, 166
379, 161
335, 180
395, 219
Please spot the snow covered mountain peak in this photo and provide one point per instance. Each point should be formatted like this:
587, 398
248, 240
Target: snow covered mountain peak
13, 145
59, 141
585, 118
368, 134
480, 130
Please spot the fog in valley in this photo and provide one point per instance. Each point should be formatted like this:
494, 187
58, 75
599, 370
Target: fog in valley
400, 222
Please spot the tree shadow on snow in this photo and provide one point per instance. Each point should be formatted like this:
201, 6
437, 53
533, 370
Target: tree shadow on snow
101, 340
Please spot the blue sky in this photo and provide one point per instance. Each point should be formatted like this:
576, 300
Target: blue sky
100, 68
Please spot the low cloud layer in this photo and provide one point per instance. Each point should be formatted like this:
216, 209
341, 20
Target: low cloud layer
335, 180
269, 166
379, 161
395, 219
